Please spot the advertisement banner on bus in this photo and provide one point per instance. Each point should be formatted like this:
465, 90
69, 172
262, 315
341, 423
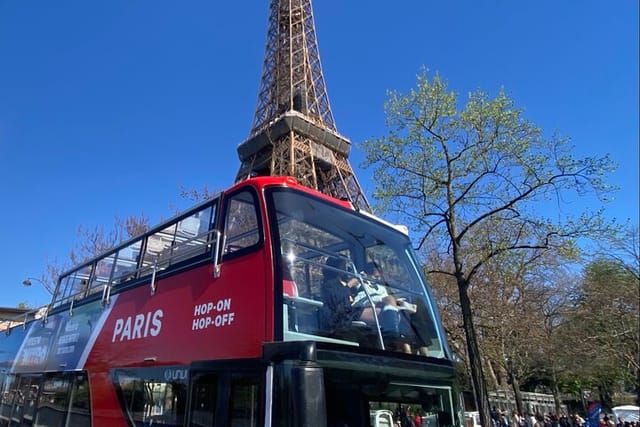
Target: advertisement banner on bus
62, 342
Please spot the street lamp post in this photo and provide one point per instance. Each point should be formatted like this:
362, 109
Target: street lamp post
28, 282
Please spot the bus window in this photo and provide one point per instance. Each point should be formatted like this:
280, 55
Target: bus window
80, 408
17, 402
102, 274
24, 401
152, 396
8, 392
204, 399
63, 285
30, 389
158, 250
180, 241
358, 281
75, 284
192, 235
127, 262
244, 409
238, 393
433, 408
54, 401
242, 226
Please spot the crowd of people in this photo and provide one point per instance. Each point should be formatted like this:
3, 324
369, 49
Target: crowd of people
501, 419
405, 417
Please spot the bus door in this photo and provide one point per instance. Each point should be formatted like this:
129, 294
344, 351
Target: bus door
64, 400
22, 400
152, 395
228, 395
51, 399
246, 275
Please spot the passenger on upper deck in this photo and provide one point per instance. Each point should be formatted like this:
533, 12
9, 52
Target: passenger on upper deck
394, 325
348, 303
338, 292
403, 324
374, 288
377, 290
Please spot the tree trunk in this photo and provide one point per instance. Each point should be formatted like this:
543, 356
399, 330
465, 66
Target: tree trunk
555, 391
516, 392
475, 358
494, 378
605, 396
638, 387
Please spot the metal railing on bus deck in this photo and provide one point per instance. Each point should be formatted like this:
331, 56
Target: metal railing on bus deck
39, 313
184, 250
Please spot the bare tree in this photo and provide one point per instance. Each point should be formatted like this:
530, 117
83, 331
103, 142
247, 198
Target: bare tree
92, 242
196, 195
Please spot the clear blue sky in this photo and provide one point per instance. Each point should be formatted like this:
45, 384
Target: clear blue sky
107, 108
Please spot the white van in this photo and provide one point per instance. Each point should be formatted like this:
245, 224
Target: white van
627, 412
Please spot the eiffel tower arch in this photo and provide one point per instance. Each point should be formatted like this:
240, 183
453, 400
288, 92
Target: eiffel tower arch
293, 131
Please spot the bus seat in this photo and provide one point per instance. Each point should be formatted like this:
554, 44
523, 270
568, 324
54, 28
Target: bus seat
189, 226
289, 288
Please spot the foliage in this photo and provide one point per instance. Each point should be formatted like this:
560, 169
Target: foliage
602, 326
623, 249
477, 183
482, 167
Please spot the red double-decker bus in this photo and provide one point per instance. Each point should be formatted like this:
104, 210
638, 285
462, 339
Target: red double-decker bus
268, 305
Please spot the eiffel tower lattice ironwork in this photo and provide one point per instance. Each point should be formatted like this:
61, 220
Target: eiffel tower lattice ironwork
293, 130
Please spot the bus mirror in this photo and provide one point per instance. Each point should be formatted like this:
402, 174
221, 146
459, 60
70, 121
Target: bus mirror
216, 255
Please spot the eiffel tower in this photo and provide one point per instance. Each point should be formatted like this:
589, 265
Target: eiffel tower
293, 131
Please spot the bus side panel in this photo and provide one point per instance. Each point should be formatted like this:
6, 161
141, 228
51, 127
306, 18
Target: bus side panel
105, 407
191, 317
10, 343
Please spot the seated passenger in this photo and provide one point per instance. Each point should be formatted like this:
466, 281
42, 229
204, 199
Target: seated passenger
338, 291
392, 323
422, 324
377, 290
395, 315
347, 308
373, 288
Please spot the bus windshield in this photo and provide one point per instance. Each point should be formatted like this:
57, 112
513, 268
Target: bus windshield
350, 279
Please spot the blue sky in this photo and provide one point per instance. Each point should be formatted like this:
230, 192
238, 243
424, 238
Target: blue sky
108, 108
